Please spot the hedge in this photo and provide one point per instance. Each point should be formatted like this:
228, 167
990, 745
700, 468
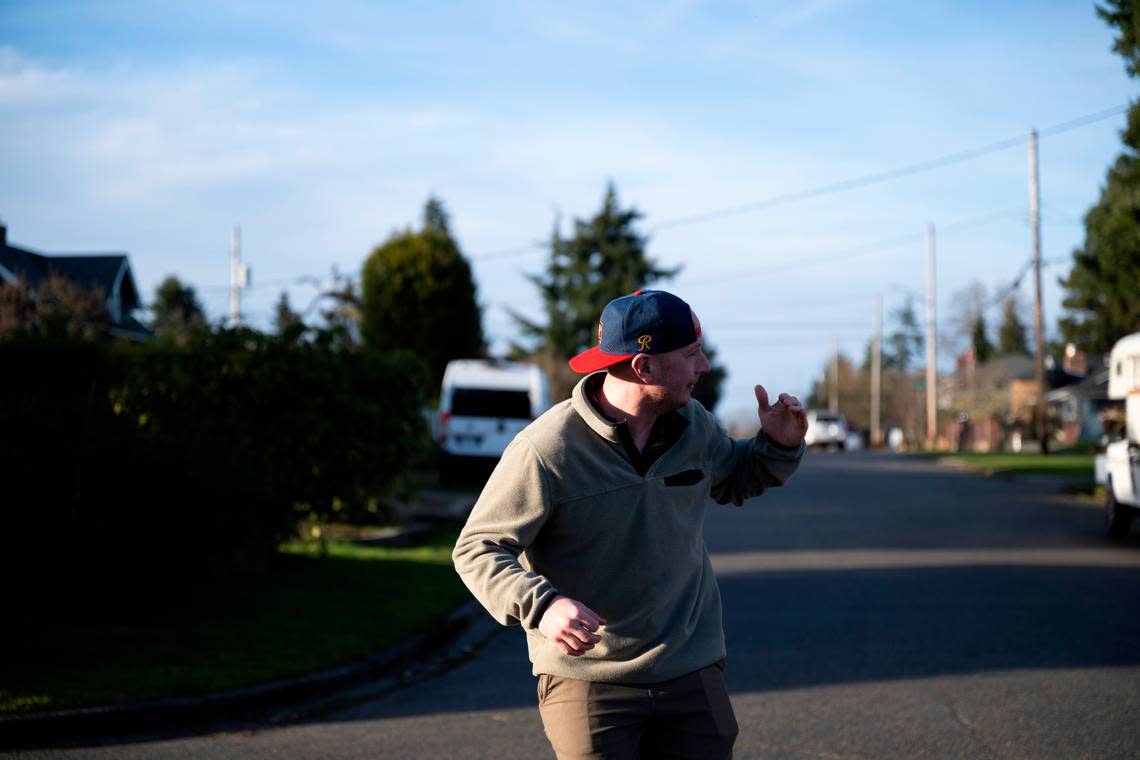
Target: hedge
131, 466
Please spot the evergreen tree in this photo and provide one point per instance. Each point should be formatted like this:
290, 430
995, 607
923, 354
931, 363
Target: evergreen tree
983, 349
177, 310
1011, 333
1101, 302
605, 258
418, 294
435, 217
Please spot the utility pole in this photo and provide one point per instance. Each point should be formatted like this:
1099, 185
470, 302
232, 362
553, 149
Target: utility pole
1038, 315
931, 345
834, 400
876, 366
239, 277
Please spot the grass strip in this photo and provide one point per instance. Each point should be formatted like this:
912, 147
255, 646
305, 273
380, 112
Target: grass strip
1075, 466
310, 612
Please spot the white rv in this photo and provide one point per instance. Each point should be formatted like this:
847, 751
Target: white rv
483, 405
1122, 455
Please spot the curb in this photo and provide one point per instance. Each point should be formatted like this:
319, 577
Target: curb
186, 714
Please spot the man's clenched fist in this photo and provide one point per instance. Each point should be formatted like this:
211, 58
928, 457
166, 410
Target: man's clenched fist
571, 625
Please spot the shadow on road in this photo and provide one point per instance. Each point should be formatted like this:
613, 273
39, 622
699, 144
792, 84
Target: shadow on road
912, 571
803, 629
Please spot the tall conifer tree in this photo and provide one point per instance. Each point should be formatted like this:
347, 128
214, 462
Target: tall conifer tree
1101, 300
1011, 332
983, 349
604, 259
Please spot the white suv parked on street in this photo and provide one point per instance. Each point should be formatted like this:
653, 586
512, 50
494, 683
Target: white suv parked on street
826, 429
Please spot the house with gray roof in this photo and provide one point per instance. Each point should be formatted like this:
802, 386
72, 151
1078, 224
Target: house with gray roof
1079, 407
110, 272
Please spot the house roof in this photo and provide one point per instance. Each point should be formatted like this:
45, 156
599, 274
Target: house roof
1012, 366
1022, 367
1094, 387
95, 270
104, 270
15, 262
129, 327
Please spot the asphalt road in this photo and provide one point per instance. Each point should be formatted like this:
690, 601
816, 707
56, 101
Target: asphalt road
874, 608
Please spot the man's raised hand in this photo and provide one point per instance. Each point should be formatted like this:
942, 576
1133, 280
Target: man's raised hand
785, 422
571, 625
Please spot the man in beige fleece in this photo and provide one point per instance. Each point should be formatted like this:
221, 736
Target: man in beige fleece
589, 534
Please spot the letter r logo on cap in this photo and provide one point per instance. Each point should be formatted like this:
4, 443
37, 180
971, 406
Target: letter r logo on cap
644, 342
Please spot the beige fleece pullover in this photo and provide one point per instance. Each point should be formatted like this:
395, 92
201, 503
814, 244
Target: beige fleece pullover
565, 512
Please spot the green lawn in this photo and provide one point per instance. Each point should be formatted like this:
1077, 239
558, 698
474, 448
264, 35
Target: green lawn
1075, 466
309, 613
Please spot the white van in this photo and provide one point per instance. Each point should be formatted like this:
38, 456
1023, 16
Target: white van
1122, 456
483, 405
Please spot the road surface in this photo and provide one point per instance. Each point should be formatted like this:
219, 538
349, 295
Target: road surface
876, 607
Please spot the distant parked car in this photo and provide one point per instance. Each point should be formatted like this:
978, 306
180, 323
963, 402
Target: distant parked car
826, 429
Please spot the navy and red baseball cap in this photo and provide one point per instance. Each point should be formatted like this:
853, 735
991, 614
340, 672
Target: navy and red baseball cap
646, 322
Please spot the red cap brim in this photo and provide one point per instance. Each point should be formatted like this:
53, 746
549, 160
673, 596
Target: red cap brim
593, 360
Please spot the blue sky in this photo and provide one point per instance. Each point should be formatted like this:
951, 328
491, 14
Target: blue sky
154, 128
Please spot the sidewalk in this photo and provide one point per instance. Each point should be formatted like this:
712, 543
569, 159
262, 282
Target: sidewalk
429, 509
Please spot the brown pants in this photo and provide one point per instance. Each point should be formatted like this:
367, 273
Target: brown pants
688, 717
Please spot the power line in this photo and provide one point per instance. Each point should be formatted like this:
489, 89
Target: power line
1082, 121
1000, 299
879, 177
879, 246
1016, 283
854, 182
816, 192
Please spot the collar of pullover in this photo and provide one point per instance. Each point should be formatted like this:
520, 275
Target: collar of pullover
595, 419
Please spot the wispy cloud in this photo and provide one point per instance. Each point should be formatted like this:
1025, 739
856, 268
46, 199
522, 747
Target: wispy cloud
322, 129
799, 14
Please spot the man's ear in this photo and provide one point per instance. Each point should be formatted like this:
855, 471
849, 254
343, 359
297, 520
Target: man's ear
642, 366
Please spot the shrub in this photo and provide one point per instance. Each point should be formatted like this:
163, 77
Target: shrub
131, 466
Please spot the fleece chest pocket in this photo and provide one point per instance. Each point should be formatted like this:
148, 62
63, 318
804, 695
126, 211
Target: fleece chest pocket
685, 478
